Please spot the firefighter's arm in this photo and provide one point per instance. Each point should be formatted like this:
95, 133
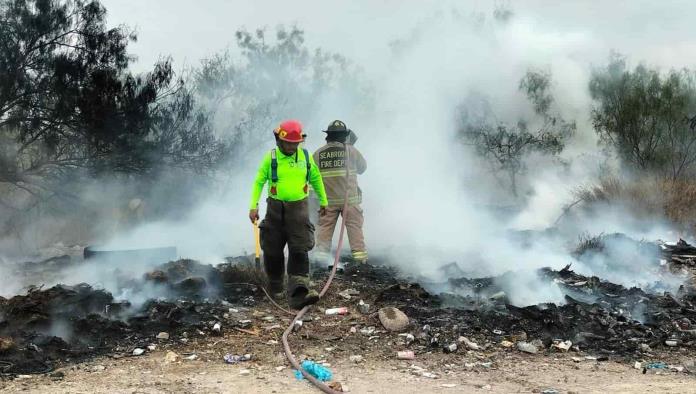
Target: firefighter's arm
260, 181
317, 183
359, 160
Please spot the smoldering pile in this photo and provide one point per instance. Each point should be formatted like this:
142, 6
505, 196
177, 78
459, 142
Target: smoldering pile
71, 323
47, 327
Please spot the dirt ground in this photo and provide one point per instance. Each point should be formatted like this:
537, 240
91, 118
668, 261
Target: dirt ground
510, 372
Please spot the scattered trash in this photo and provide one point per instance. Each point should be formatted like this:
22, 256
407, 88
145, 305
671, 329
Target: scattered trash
217, 327
235, 359
656, 365
363, 307
469, 344
405, 355
393, 319
408, 338
356, 359
337, 311
498, 332
244, 371
563, 346
353, 330
191, 357
279, 368
336, 386
244, 323
448, 385
349, 293
451, 348
268, 318
638, 365
297, 325
97, 368
367, 331
671, 342
549, 391
506, 344
138, 351
170, 357
321, 373
163, 335
645, 348
527, 347
152, 348
486, 387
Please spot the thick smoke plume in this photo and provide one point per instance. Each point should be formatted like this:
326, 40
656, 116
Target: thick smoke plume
428, 199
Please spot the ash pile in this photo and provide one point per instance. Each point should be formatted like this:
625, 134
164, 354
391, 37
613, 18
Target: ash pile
60, 324
189, 301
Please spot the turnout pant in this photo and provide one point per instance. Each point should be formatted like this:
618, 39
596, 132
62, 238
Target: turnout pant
354, 223
286, 223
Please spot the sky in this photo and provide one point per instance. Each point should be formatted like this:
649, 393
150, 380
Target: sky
660, 33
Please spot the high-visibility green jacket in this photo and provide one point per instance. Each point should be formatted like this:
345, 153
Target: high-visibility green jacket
292, 178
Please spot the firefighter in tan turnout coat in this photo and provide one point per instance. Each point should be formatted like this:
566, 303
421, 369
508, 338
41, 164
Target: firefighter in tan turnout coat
331, 159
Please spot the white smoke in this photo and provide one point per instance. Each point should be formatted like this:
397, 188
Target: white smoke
427, 199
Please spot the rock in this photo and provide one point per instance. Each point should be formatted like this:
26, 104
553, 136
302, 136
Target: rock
356, 358
170, 357
506, 344
469, 344
527, 347
97, 368
393, 319
138, 351
163, 335
644, 347
486, 387
280, 368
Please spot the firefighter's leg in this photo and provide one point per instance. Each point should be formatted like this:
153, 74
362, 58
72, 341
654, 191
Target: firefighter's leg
300, 232
354, 224
327, 225
273, 241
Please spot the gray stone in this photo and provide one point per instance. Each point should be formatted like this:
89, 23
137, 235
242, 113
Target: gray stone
393, 319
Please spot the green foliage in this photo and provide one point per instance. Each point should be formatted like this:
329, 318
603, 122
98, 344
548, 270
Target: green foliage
69, 105
645, 115
506, 146
277, 77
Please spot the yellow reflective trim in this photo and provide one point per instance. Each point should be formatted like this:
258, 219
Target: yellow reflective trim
335, 173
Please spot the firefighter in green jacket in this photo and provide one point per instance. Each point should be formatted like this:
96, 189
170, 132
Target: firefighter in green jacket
288, 171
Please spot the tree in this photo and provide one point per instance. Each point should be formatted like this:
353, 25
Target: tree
645, 115
507, 146
69, 105
276, 77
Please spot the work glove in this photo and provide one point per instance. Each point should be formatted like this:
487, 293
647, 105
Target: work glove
253, 215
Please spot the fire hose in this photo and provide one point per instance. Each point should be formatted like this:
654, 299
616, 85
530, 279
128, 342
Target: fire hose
286, 346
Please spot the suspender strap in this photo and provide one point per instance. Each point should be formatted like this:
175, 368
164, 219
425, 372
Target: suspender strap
274, 166
309, 165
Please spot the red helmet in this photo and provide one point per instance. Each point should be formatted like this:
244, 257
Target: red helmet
290, 131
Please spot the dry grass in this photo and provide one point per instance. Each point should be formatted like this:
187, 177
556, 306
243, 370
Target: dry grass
648, 197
